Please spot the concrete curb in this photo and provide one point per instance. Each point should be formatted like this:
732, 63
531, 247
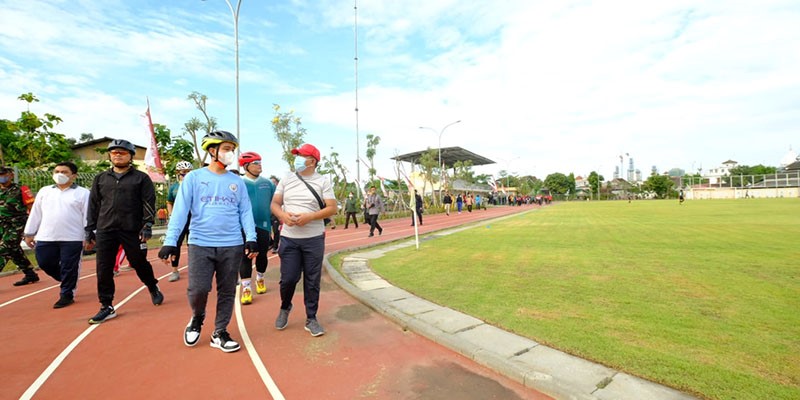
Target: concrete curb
548, 370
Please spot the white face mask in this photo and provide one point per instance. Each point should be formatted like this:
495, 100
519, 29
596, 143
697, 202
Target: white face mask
299, 164
227, 157
60, 179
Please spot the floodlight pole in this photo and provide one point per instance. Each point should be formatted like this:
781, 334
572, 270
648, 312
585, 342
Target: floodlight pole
235, 14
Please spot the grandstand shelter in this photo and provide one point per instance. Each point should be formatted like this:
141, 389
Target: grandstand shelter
449, 156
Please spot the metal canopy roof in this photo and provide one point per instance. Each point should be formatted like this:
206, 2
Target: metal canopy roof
449, 156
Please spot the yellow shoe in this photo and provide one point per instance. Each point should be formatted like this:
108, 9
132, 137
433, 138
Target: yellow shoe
261, 286
247, 295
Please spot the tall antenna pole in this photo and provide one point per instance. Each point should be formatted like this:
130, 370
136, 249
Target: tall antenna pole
355, 59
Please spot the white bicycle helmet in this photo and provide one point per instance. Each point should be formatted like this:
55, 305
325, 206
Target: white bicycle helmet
183, 165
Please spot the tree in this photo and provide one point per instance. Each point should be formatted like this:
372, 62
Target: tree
195, 127
289, 132
571, 183
30, 140
173, 148
529, 185
331, 165
594, 182
754, 170
658, 184
372, 149
463, 171
558, 183
428, 162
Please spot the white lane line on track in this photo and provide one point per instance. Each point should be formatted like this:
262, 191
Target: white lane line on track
58, 285
251, 351
37, 384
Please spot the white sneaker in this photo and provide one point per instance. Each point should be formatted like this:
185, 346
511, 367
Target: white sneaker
222, 340
192, 333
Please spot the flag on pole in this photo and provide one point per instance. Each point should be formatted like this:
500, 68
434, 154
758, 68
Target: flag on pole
152, 160
383, 187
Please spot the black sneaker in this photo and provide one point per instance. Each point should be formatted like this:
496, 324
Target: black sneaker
156, 296
283, 319
105, 314
27, 279
192, 333
222, 340
63, 301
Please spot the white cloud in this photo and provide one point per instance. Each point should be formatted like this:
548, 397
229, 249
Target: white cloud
565, 86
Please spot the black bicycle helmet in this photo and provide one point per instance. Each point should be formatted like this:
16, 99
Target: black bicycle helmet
218, 137
122, 144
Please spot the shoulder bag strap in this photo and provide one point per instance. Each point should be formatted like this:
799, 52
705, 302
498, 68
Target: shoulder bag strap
314, 192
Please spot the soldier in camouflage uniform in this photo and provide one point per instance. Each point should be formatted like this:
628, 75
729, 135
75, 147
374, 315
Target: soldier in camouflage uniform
13, 215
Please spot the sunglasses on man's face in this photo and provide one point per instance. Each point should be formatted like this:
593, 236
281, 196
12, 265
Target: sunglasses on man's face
256, 162
118, 153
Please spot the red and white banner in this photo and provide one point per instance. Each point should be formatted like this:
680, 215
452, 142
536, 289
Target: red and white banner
152, 160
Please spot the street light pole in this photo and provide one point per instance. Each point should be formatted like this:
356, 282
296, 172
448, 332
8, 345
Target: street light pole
441, 169
235, 14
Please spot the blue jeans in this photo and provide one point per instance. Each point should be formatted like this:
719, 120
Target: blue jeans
301, 256
62, 261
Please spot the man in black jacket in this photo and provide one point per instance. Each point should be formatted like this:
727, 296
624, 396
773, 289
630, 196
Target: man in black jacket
121, 212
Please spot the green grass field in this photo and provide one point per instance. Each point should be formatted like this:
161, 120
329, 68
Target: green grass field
703, 297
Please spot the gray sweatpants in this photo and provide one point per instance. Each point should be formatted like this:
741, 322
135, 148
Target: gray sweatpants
204, 263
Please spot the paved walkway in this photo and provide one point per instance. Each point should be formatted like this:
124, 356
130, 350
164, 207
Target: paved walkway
534, 365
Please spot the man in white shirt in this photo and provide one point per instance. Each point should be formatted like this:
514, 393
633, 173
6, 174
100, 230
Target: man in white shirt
55, 229
302, 245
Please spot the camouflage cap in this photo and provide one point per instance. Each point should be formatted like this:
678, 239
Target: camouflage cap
5, 170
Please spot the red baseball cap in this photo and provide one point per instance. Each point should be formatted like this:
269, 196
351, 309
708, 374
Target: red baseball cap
307, 150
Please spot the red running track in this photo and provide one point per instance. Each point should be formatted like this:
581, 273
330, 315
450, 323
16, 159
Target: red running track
55, 354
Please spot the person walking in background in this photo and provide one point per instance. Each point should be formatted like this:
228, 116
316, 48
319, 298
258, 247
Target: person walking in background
469, 200
260, 190
121, 212
374, 206
417, 206
448, 202
276, 223
161, 214
55, 229
459, 202
220, 207
182, 168
350, 210
13, 214
302, 201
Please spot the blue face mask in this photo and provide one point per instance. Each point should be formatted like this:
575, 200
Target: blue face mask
4, 179
299, 164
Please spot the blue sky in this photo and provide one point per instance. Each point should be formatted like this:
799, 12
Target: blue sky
540, 86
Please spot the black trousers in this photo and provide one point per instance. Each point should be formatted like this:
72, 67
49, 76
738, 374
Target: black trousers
276, 233
262, 243
373, 224
347, 219
302, 257
107, 244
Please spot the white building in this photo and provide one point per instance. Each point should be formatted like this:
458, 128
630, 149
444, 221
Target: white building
714, 174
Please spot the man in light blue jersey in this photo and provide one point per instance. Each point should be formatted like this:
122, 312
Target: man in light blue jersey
220, 207
260, 190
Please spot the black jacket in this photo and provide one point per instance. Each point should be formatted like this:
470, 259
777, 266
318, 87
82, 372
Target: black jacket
126, 204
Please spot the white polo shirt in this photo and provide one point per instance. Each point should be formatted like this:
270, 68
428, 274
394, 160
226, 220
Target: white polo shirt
58, 215
299, 200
